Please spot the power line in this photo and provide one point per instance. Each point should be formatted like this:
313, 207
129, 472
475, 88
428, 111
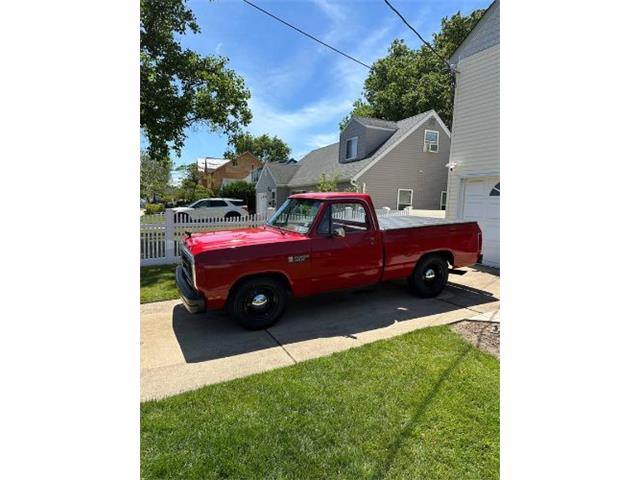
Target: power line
306, 34
451, 70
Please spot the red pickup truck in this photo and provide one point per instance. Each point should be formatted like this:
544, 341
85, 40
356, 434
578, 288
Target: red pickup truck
318, 242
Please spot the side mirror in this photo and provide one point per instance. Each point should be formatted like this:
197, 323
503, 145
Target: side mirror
338, 232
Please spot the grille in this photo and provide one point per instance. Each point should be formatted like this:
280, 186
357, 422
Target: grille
187, 263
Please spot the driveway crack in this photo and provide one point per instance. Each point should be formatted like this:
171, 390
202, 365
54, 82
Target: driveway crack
281, 345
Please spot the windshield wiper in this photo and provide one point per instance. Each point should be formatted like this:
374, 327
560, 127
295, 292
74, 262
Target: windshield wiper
280, 229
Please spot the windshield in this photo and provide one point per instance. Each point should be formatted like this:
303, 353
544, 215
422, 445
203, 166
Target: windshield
295, 215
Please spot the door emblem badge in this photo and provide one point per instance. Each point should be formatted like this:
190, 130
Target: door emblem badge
298, 258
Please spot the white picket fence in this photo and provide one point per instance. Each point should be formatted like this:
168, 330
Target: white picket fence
161, 234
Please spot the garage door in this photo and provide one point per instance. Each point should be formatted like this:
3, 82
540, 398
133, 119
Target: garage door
482, 204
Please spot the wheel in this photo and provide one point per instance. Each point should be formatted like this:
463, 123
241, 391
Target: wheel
258, 303
430, 276
232, 215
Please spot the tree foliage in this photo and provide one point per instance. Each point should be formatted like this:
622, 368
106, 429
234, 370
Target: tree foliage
407, 82
191, 188
242, 191
326, 184
155, 175
180, 88
266, 148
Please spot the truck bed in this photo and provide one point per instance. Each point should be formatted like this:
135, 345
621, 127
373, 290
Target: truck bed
409, 221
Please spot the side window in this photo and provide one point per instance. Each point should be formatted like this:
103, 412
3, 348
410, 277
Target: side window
350, 216
200, 204
324, 227
217, 203
431, 141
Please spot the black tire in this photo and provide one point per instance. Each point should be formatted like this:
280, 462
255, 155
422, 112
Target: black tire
244, 307
232, 215
430, 276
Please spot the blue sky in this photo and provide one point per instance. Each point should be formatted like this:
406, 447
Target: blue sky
301, 90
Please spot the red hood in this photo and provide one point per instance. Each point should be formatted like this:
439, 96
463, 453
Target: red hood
242, 237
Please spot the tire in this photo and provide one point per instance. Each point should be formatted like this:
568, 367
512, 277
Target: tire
232, 215
430, 276
245, 305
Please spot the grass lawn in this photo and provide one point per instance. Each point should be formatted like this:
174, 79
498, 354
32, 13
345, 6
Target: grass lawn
424, 405
158, 283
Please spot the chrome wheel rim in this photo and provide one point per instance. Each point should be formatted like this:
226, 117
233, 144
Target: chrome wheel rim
259, 301
429, 274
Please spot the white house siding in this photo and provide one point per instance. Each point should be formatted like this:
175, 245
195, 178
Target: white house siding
475, 137
409, 166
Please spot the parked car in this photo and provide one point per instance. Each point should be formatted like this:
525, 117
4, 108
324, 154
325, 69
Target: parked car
212, 208
318, 242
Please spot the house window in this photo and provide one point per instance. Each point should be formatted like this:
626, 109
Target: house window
272, 201
405, 198
431, 141
443, 200
352, 148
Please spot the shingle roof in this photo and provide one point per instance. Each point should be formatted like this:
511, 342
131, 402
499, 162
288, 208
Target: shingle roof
325, 159
376, 122
282, 172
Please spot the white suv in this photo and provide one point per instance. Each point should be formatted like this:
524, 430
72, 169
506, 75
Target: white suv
212, 208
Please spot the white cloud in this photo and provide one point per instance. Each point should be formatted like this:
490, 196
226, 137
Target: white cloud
315, 124
218, 48
318, 140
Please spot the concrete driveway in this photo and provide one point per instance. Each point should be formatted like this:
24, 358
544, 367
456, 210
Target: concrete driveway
181, 352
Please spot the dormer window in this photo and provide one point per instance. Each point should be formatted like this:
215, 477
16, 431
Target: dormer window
431, 141
352, 148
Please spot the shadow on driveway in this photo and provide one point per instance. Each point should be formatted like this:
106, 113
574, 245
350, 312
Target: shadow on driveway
214, 335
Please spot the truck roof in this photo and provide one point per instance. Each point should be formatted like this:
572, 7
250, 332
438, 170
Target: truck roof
330, 195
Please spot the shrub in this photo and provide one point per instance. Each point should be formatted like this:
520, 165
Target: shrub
242, 191
153, 208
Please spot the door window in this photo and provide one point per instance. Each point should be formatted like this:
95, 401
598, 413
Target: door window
350, 216
217, 203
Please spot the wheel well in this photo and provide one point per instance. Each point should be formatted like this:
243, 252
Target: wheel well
276, 275
446, 254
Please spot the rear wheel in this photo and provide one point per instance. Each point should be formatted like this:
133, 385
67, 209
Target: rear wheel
232, 215
430, 276
258, 303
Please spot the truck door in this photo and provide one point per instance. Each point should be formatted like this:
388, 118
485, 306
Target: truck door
346, 249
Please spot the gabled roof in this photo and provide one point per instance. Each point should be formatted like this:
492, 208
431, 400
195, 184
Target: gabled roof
282, 172
211, 163
325, 159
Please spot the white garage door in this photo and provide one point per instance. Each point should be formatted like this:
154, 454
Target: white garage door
482, 204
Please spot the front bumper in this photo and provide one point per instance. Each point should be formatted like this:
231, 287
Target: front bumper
193, 301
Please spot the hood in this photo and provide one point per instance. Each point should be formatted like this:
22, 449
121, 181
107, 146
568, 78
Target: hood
242, 237
181, 209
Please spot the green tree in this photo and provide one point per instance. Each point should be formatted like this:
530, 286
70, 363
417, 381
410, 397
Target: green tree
191, 188
242, 191
180, 88
155, 176
266, 148
407, 82
326, 184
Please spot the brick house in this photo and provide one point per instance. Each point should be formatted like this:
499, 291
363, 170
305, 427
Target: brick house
219, 172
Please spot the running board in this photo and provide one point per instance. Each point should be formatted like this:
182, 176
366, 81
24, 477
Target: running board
454, 271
